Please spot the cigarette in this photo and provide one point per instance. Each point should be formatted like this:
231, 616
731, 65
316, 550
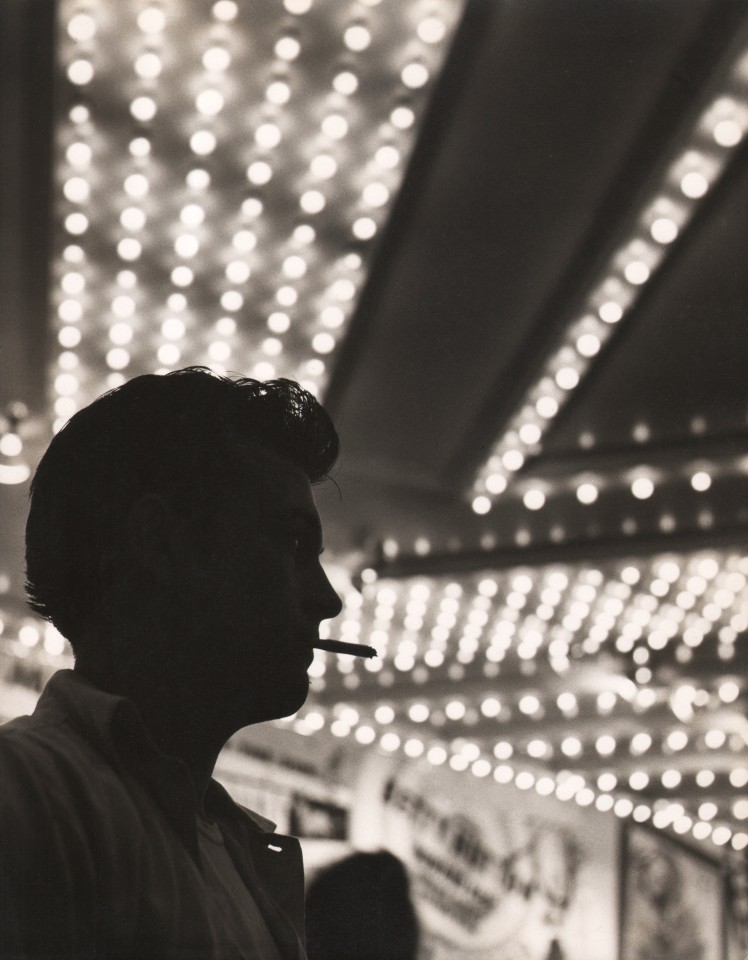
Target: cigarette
339, 646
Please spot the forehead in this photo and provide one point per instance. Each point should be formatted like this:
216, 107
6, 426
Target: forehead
270, 481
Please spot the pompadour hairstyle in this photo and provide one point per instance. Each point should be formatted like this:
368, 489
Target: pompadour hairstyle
168, 435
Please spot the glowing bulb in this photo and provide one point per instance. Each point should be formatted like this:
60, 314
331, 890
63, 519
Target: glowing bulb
79, 154
364, 228
232, 301
534, 499
375, 194
642, 488
136, 185
727, 133
278, 92
237, 271
346, 83
203, 142
431, 30
152, 20
323, 343
294, 266
117, 358
216, 59
701, 481
588, 345
287, 48
173, 328
143, 109
587, 493
132, 218
198, 179
414, 75
334, 126
636, 272
80, 72
571, 747
168, 354
664, 230
123, 306
481, 505
129, 249
403, 118
279, 322
694, 185
182, 276
547, 407
225, 10
186, 245
76, 190
81, 27
148, 66
268, 135
259, 172
567, 378
357, 38
209, 103
312, 201
530, 433
219, 350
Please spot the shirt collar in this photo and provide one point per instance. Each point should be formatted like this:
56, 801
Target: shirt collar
114, 725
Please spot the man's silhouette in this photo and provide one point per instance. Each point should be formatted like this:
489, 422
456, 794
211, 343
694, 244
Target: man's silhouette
173, 539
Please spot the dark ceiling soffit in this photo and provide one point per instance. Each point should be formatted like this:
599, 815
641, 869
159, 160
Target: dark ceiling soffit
577, 551
657, 140
445, 96
610, 462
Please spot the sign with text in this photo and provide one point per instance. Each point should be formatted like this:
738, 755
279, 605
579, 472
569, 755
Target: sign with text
496, 873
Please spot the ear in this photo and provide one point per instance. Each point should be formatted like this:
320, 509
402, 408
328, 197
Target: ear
155, 538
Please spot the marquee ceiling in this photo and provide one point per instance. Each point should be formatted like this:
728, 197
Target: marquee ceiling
503, 242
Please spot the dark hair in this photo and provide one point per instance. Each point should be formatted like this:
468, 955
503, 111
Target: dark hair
170, 435
360, 909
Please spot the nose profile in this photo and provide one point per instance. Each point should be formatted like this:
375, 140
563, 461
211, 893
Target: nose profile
322, 599
333, 603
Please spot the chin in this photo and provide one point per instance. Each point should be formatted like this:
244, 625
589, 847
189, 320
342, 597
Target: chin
286, 702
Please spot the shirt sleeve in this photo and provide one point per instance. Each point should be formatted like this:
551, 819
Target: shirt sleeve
44, 911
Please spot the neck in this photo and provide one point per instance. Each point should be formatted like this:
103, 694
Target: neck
179, 718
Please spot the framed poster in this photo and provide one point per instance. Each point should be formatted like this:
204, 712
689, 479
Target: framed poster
672, 899
496, 873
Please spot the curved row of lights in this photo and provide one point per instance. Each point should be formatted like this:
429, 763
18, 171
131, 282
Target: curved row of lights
465, 756
251, 259
688, 179
642, 482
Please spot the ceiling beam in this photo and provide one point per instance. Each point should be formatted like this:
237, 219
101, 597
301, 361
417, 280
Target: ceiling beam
575, 551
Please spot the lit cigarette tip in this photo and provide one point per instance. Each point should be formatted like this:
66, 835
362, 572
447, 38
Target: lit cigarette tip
339, 646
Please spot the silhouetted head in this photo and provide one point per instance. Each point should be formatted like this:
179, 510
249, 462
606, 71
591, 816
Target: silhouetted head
360, 909
187, 496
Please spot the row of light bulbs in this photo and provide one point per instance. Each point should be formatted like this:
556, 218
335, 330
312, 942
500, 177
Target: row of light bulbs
311, 289
688, 179
530, 616
462, 756
642, 483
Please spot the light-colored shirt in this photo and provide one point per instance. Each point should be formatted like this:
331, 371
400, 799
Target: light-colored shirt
237, 917
100, 849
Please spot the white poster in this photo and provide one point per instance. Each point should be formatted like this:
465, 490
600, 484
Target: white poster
496, 873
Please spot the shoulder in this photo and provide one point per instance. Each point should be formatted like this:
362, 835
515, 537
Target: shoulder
42, 763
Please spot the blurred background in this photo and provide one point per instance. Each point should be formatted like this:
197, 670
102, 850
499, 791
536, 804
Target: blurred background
504, 242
